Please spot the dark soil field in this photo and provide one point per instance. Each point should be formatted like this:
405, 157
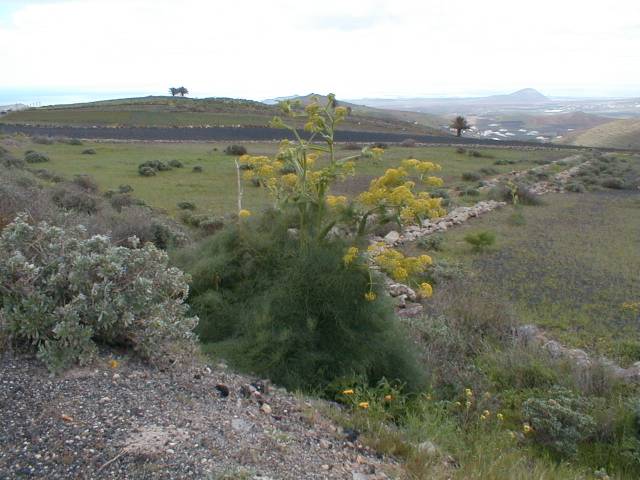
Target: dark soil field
238, 134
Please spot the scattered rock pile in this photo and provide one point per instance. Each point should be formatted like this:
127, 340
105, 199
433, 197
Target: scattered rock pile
532, 334
456, 217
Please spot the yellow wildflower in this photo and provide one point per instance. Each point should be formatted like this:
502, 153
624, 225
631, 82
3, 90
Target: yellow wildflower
377, 151
341, 111
468, 392
468, 404
400, 274
248, 174
434, 181
425, 290
388, 398
486, 413
425, 260
290, 179
370, 296
114, 363
500, 416
364, 405
526, 428
244, 213
348, 391
458, 404
512, 434
350, 256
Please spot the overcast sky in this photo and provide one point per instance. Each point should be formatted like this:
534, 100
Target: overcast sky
355, 48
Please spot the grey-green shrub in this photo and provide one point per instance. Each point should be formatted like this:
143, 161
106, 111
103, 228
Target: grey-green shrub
63, 292
36, 157
175, 163
559, 420
197, 169
89, 151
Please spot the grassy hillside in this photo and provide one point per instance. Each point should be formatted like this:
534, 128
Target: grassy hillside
214, 190
186, 112
615, 134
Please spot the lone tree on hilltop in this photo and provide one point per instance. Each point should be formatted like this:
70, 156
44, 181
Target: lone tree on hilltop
460, 124
178, 91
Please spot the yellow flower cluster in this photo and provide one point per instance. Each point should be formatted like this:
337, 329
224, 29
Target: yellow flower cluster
631, 306
335, 201
394, 190
244, 213
370, 296
350, 256
399, 267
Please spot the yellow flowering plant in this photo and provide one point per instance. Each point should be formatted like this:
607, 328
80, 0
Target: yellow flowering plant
301, 174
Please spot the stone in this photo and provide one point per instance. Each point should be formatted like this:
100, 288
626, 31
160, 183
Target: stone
324, 444
265, 408
410, 310
428, 448
392, 237
223, 390
554, 348
240, 425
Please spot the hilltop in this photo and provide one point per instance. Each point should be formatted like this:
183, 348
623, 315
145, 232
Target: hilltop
161, 111
623, 133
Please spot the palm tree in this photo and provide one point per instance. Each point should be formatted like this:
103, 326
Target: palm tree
460, 124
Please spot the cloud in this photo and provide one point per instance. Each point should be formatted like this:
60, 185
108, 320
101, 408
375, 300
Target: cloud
259, 49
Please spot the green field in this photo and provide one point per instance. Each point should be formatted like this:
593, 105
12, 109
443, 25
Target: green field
215, 190
568, 269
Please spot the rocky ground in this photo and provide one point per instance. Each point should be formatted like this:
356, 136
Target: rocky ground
122, 419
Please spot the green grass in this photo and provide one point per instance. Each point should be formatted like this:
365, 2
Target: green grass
569, 268
215, 190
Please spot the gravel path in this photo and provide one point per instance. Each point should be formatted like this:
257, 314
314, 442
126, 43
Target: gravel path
131, 421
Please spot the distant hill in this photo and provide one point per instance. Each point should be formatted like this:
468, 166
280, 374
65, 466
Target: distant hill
521, 97
161, 111
13, 107
613, 134
524, 97
432, 122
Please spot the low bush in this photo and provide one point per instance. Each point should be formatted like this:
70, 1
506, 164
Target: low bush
147, 171
575, 186
69, 197
504, 162
45, 174
461, 150
86, 183
36, 157
488, 171
236, 150
292, 312
89, 151
524, 195
186, 205
613, 183
197, 169
125, 188
151, 167
431, 242
481, 241
471, 176
559, 421
175, 163
478, 154
62, 293
408, 142
471, 192
42, 140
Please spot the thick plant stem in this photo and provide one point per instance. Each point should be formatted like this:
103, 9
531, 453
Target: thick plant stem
239, 186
